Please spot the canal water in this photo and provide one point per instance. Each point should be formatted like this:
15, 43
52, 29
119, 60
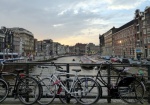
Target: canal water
71, 59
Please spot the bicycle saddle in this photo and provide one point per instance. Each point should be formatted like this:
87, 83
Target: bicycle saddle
76, 70
19, 70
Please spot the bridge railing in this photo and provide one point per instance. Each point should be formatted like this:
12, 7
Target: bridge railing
10, 67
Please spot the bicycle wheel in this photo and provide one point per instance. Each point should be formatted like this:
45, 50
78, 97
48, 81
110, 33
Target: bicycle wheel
49, 91
133, 93
3, 90
84, 91
28, 90
63, 95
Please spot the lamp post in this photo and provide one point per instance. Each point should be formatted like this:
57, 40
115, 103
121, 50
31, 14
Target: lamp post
122, 49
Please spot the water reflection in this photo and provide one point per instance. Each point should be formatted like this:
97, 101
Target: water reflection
72, 59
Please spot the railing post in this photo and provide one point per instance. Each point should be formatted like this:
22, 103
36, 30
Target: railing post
108, 80
148, 83
27, 73
68, 96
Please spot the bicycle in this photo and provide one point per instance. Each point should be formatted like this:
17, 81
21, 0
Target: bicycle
78, 87
127, 88
26, 88
45, 99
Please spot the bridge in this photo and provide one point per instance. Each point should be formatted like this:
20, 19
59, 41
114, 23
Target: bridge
105, 99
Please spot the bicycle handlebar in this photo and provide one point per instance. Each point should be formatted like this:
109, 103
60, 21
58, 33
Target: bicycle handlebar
57, 67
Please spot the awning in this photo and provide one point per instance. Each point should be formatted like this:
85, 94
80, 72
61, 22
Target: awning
138, 50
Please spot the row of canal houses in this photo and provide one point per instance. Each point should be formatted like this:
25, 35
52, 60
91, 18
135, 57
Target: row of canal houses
130, 40
21, 41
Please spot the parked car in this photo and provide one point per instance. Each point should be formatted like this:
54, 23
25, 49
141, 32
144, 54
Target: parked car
145, 61
114, 59
130, 61
107, 58
120, 60
102, 57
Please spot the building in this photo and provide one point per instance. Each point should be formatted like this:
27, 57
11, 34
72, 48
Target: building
26, 41
139, 36
49, 46
145, 26
35, 46
108, 49
39, 48
80, 48
101, 44
2, 36
91, 49
124, 40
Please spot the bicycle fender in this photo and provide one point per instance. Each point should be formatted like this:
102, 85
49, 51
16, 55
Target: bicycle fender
126, 81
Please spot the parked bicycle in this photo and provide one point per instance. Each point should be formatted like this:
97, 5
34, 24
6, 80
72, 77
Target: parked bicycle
26, 88
127, 88
45, 99
78, 88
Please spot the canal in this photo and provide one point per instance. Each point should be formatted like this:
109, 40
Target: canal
71, 59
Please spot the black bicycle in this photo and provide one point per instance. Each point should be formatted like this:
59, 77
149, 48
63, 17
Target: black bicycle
127, 88
26, 88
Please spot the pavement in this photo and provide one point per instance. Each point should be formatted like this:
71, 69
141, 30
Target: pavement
11, 101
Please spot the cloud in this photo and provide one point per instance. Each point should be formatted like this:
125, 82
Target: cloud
57, 25
124, 4
68, 21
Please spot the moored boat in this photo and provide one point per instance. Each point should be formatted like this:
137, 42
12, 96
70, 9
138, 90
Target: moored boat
86, 63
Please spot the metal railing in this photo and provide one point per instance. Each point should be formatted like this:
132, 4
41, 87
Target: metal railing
28, 66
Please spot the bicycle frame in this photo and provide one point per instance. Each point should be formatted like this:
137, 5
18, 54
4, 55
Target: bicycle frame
16, 76
119, 79
58, 81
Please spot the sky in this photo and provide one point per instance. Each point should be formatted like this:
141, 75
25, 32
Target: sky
68, 21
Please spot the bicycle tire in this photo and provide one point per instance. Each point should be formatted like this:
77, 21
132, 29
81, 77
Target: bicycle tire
63, 95
48, 87
82, 93
3, 90
28, 90
133, 93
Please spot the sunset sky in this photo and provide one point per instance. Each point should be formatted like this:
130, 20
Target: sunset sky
68, 21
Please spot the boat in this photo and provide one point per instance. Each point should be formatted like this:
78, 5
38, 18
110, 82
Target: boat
10, 57
85, 61
91, 60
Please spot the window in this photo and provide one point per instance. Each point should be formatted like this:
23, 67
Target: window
144, 31
148, 39
148, 51
143, 23
133, 50
148, 30
145, 41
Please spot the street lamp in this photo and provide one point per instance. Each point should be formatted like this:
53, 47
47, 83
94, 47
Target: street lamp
122, 49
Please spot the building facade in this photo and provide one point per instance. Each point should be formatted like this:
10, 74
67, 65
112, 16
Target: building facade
124, 40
